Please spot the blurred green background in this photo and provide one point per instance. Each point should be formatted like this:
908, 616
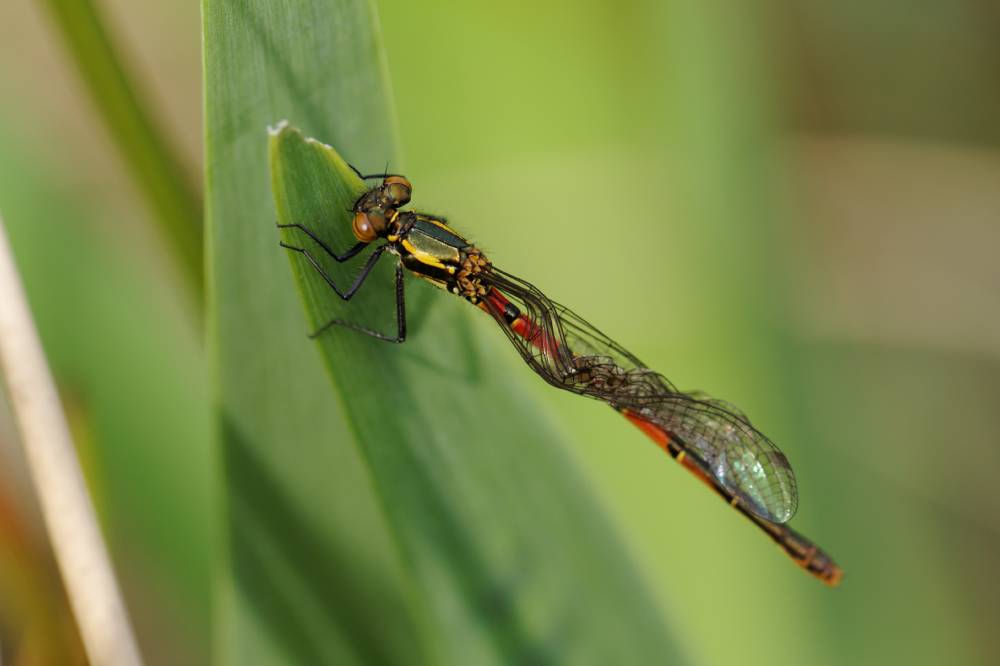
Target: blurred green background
802, 219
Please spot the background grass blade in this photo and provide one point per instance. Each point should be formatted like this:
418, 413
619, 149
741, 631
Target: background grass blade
150, 158
497, 550
71, 521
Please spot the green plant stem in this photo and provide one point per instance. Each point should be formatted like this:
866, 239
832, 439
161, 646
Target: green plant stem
157, 170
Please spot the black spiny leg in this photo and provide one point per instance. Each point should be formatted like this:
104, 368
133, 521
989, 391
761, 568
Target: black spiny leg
339, 257
349, 294
362, 276
400, 314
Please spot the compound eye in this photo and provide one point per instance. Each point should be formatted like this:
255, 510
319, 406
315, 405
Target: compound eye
399, 189
363, 229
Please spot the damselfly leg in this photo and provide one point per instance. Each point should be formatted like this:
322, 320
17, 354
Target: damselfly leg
339, 257
400, 315
356, 285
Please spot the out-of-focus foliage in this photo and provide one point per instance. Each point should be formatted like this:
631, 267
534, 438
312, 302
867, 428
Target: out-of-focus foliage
790, 205
117, 324
150, 157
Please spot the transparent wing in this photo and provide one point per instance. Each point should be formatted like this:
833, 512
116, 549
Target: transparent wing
570, 354
743, 460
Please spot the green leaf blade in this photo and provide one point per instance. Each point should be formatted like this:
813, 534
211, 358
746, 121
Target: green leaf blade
148, 153
305, 567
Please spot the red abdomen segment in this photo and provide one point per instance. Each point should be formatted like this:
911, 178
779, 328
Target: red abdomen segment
803, 552
497, 305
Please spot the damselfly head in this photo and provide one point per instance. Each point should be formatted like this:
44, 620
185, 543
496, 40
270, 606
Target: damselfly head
394, 192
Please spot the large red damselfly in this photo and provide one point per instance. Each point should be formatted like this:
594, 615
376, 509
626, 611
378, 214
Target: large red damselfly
711, 438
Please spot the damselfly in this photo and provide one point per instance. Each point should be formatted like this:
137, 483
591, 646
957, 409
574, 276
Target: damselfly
711, 438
